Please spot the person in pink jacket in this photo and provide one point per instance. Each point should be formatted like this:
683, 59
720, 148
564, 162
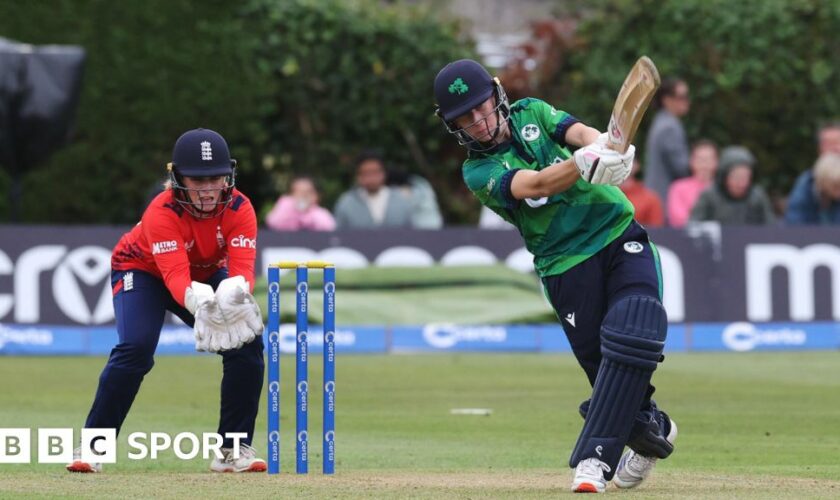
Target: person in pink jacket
683, 193
299, 210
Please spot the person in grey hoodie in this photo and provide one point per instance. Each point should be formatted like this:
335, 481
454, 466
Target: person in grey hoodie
734, 198
666, 148
371, 204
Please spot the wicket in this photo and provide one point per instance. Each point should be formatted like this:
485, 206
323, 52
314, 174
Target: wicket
302, 366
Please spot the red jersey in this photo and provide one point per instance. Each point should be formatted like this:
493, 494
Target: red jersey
179, 248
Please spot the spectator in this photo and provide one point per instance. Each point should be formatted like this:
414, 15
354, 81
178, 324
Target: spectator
425, 213
683, 193
734, 198
371, 204
666, 149
829, 138
299, 210
646, 202
811, 202
815, 198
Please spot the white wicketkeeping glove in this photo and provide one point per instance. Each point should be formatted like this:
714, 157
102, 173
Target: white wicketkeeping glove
211, 331
600, 165
241, 312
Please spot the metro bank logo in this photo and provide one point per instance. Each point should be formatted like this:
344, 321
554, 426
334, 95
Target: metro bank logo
159, 247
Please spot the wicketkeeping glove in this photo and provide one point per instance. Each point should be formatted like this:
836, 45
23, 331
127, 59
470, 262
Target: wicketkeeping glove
240, 310
211, 331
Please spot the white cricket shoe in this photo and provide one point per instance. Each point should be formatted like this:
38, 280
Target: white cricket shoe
247, 461
78, 465
634, 468
589, 476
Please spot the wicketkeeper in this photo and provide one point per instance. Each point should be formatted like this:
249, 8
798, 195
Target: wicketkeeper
600, 270
192, 254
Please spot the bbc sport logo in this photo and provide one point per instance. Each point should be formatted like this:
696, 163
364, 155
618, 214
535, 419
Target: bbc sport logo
55, 445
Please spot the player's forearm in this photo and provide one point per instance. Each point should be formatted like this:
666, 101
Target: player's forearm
549, 181
581, 135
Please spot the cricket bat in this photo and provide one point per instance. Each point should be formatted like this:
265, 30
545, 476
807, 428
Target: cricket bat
633, 99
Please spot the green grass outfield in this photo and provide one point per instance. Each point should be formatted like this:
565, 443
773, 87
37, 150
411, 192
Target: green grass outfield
751, 426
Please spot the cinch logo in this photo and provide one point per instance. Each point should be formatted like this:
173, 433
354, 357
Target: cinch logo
159, 247
242, 242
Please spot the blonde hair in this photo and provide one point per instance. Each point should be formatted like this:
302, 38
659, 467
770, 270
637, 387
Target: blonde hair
826, 175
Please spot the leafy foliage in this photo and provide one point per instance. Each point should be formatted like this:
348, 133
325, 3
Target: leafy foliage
304, 85
298, 85
348, 76
154, 69
762, 73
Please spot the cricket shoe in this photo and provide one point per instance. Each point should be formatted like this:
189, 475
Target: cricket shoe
589, 476
247, 461
79, 465
634, 468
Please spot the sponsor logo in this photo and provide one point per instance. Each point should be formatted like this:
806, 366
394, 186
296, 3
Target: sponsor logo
633, 247
744, 336
530, 132
303, 445
329, 389
536, 202
615, 132
303, 303
159, 247
274, 393
800, 266
188, 246
288, 338
242, 242
24, 336
599, 450
329, 438
491, 183
570, 318
206, 151
444, 336
80, 278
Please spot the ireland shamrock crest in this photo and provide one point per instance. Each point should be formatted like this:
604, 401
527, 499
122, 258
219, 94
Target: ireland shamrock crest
458, 87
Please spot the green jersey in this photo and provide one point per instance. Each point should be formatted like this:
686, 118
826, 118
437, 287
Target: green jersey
561, 230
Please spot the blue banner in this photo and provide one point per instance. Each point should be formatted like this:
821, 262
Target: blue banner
744, 336
549, 338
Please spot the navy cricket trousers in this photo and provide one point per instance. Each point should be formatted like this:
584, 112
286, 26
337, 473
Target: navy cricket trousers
582, 295
140, 304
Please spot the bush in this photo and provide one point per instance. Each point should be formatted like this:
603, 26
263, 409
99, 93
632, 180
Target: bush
762, 73
154, 69
292, 85
348, 76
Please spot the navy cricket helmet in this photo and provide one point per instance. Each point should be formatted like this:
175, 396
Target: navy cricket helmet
462, 86
201, 153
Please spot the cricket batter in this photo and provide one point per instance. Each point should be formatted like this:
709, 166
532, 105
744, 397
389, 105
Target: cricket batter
198, 236
599, 269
